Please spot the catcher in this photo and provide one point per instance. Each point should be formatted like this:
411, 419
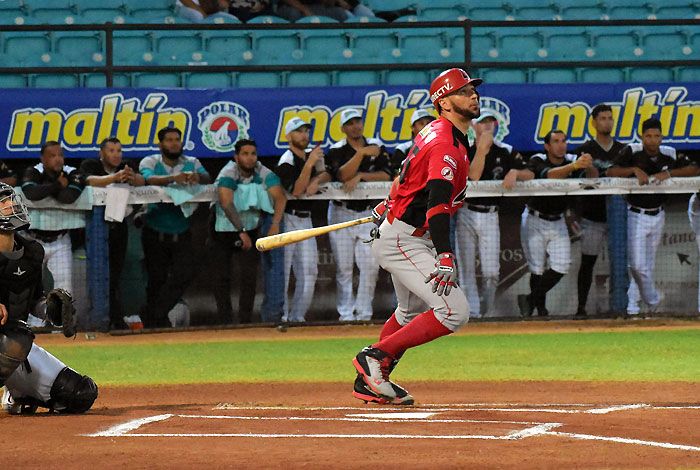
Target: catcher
22, 293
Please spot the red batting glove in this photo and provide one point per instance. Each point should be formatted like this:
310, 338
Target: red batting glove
444, 276
380, 211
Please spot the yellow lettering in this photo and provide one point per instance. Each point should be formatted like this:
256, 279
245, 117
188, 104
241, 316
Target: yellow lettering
334, 131
79, 128
125, 117
176, 119
389, 114
630, 103
685, 112
571, 119
373, 104
646, 110
317, 117
42, 126
109, 105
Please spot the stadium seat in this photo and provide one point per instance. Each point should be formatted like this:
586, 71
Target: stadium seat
315, 19
259, 80
442, 14
26, 45
229, 45
81, 47
630, 11
569, 44
221, 18
407, 77
665, 44
279, 47
535, 12
609, 45
372, 46
677, 9
13, 80
504, 75
208, 80
267, 19
602, 75
486, 13
308, 79
581, 9
10, 10
389, 5
358, 78
520, 44
98, 80
541, 75
129, 47
54, 81
52, 11
149, 14
101, 16
102, 11
688, 74
156, 80
363, 19
651, 74
178, 41
422, 45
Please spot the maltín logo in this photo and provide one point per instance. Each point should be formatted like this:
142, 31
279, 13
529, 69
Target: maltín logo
223, 124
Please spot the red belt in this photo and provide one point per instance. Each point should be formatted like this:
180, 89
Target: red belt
419, 232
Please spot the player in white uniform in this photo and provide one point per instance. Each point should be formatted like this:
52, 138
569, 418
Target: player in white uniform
477, 227
543, 232
352, 160
301, 172
646, 216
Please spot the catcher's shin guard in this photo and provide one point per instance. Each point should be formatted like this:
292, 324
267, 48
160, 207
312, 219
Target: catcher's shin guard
15, 345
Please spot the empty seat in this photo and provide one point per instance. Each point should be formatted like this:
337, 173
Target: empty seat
504, 76
319, 46
230, 44
407, 77
13, 80
372, 46
568, 75
307, 79
98, 80
677, 10
630, 11
357, 78
569, 44
221, 18
156, 80
20, 44
315, 19
55, 81
688, 74
129, 47
267, 19
259, 80
520, 44
535, 12
281, 47
609, 45
664, 44
442, 14
208, 80
178, 41
602, 75
581, 9
81, 47
10, 10
52, 11
487, 13
651, 74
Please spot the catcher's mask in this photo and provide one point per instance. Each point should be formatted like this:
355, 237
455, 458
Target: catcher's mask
13, 212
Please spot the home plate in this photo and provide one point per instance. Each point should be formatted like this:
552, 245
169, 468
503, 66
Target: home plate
415, 415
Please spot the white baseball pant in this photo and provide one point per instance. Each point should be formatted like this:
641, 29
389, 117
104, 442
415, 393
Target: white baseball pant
545, 241
478, 233
694, 217
409, 260
349, 248
302, 257
37, 383
643, 237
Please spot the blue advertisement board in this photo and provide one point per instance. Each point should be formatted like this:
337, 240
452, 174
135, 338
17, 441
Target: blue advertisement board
213, 120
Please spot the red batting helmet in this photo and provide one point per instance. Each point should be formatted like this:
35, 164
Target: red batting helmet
448, 82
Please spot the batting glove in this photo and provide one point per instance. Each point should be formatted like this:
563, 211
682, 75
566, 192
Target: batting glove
380, 211
444, 275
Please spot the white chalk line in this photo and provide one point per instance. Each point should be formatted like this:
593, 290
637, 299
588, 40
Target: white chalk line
623, 440
357, 420
323, 436
122, 429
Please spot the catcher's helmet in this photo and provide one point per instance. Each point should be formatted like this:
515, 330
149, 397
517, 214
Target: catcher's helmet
448, 82
13, 212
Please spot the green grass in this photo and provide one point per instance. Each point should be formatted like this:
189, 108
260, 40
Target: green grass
585, 356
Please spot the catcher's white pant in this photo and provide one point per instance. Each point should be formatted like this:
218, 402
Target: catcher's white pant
694, 216
545, 241
302, 257
643, 238
410, 260
35, 384
478, 233
593, 236
349, 248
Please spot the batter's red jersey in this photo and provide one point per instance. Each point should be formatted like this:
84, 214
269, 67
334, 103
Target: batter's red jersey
439, 152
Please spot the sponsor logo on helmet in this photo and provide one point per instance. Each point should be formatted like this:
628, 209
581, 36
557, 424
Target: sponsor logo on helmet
450, 161
447, 173
223, 124
443, 90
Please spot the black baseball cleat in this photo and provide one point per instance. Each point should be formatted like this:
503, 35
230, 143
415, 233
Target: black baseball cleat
374, 366
580, 313
525, 305
362, 392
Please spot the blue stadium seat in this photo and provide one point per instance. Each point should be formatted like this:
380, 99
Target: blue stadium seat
520, 44
30, 44
407, 19
178, 43
603, 75
13, 80
156, 80
98, 80
535, 12
208, 80
442, 14
568, 75
581, 9
423, 45
407, 77
54, 81
10, 10
227, 44
259, 80
665, 43
373, 45
149, 14
630, 11
267, 19
651, 74
279, 47
52, 11
315, 19
612, 45
221, 18
363, 19
569, 44
504, 75
492, 12
677, 9
688, 74
321, 46
129, 47
308, 79
358, 78
81, 47
389, 5
101, 16
102, 11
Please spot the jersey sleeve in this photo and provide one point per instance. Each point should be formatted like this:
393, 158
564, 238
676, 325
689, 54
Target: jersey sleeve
199, 168
515, 161
147, 167
538, 166
383, 162
287, 176
625, 157
227, 178
443, 163
91, 167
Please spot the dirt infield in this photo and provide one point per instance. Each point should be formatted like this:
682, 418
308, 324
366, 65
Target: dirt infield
454, 425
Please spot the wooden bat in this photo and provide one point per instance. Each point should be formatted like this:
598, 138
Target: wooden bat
287, 238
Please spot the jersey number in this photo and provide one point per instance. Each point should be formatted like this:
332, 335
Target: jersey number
407, 162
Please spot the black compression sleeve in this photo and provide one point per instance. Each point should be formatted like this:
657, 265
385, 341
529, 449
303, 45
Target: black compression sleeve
439, 193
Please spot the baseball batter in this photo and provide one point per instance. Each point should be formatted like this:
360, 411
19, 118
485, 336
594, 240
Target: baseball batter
543, 232
419, 119
477, 227
413, 242
603, 148
648, 161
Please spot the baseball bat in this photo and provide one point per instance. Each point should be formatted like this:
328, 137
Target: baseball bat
287, 238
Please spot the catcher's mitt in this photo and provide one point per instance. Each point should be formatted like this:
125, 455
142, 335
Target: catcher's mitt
61, 312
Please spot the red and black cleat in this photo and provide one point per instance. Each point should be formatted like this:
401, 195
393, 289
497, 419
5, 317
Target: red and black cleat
362, 392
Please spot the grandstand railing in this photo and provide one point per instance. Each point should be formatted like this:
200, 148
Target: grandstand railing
109, 69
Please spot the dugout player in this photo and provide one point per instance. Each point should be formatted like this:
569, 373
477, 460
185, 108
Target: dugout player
301, 172
419, 119
694, 217
594, 228
52, 178
477, 227
108, 169
351, 161
7, 175
543, 232
21, 293
648, 162
432, 186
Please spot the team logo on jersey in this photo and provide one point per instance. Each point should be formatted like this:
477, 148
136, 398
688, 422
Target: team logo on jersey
19, 271
447, 173
222, 125
450, 161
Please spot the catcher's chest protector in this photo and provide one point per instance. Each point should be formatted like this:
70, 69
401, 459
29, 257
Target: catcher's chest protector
20, 278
